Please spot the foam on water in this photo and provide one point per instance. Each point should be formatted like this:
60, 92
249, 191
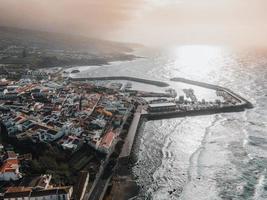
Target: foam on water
260, 193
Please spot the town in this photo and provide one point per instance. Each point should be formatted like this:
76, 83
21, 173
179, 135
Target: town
61, 138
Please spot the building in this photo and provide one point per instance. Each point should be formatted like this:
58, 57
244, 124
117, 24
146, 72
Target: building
41, 182
38, 188
107, 141
161, 107
9, 171
44, 133
71, 142
56, 193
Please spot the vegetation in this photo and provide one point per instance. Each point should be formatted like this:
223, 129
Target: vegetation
47, 159
53, 161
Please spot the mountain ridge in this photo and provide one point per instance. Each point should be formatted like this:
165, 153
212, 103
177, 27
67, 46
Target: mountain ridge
50, 48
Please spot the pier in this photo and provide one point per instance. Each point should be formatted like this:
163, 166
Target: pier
179, 113
127, 78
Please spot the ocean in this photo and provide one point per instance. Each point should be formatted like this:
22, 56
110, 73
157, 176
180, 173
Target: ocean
220, 156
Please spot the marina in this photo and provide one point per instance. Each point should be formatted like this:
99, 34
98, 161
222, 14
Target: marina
156, 106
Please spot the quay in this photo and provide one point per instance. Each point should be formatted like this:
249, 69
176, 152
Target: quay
127, 78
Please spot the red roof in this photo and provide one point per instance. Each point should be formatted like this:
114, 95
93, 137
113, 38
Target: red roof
107, 139
9, 165
19, 189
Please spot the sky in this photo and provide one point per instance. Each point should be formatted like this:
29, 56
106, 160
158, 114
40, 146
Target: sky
157, 22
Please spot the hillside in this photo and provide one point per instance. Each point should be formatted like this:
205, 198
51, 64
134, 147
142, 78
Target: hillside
21, 46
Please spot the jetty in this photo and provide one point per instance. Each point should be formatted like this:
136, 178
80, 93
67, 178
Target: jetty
127, 78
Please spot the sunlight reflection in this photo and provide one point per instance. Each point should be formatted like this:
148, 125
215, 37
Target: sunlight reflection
198, 59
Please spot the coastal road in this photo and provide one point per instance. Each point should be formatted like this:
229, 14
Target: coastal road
100, 185
128, 143
97, 192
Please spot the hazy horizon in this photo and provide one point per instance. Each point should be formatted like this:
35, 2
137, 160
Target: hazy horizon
228, 22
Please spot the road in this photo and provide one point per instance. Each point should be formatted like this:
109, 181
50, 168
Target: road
99, 186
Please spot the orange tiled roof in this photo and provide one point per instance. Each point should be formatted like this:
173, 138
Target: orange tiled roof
107, 139
19, 189
9, 165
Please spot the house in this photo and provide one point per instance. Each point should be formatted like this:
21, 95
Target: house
55, 193
38, 188
19, 119
9, 171
47, 135
70, 142
107, 141
98, 123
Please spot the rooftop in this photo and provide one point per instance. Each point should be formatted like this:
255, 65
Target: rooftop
107, 139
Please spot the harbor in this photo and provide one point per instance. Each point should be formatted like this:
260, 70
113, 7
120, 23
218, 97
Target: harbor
169, 104
122, 185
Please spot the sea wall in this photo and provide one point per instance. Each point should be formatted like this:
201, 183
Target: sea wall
245, 104
140, 80
208, 111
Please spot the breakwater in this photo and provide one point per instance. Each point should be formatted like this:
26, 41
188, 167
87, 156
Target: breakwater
127, 78
207, 111
246, 103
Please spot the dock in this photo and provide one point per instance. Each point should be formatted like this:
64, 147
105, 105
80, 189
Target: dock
127, 78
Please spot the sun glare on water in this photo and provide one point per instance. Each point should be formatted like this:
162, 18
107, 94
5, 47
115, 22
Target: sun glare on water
199, 60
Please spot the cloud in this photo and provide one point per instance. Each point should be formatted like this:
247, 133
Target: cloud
206, 21
91, 17
145, 21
